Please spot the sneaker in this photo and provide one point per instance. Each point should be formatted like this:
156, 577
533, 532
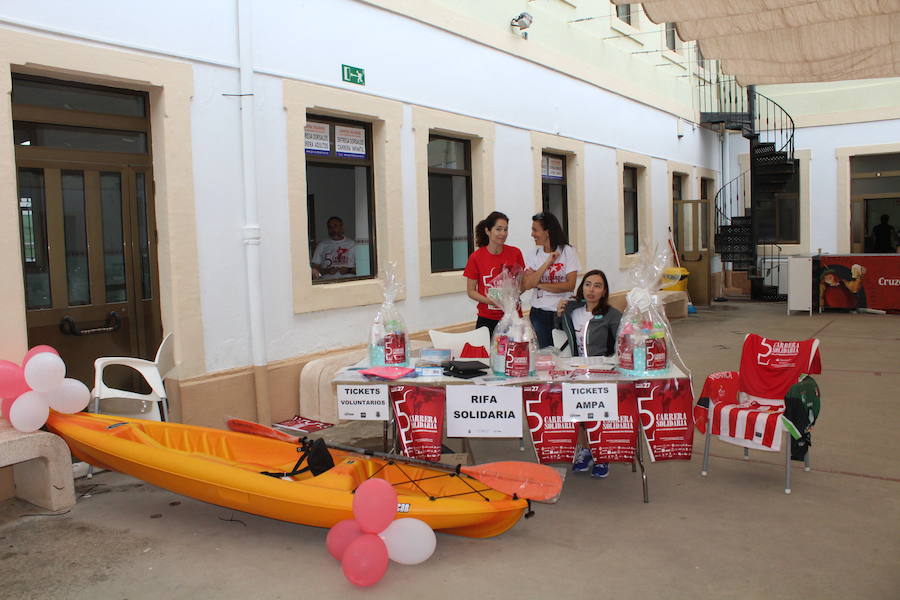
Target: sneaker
600, 470
583, 460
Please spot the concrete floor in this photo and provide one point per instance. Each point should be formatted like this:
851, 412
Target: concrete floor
733, 534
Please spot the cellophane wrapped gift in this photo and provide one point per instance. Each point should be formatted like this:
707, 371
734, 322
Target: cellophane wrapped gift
514, 344
388, 337
644, 345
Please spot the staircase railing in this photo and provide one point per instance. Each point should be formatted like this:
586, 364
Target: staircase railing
773, 124
769, 265
722, 94
730, 200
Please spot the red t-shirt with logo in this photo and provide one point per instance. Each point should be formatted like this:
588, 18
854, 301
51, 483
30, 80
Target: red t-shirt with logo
484, 266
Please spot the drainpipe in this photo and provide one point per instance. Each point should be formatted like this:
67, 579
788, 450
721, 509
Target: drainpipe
251, 230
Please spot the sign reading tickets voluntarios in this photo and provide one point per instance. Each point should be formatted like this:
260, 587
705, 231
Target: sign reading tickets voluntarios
363, 402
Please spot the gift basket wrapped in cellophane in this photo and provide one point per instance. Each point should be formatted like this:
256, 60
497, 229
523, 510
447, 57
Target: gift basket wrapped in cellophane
388, 337
514, 344
645, 345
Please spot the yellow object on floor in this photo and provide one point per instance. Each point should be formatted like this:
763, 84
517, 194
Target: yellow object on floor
674, 279
225, 468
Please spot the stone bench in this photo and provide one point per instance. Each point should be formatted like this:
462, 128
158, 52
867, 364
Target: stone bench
41, 465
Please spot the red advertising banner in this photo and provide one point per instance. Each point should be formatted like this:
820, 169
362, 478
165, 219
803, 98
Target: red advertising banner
665, 409
858, 281
554, 439
614, 441
420, 420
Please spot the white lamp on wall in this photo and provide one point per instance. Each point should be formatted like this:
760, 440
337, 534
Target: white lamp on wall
521, 23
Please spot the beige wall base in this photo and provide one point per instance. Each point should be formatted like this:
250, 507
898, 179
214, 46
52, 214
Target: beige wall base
207, 400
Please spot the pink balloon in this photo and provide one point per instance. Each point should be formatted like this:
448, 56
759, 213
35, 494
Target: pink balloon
12, 380
5, 406
365, 560
374, 505
29, 412
38, 350
342, 535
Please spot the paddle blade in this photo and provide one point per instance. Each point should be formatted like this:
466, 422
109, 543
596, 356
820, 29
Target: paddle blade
526, 480
242, 426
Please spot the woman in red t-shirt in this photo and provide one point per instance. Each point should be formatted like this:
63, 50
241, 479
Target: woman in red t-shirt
492, 256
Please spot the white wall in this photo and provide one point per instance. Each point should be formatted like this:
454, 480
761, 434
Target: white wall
404, 60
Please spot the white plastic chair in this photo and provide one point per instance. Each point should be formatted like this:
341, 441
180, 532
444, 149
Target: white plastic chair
152, 406
456, 341
560, 338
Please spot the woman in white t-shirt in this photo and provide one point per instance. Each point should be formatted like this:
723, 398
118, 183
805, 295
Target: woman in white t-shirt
551, 269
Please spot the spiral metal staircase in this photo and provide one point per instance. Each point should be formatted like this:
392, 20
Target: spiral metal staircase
740, 240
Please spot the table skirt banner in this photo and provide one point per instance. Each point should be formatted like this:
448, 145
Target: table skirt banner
615, 440
419, 412
554, 439
857, 281
666, 407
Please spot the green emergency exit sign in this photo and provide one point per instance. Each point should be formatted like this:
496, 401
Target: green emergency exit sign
353, 74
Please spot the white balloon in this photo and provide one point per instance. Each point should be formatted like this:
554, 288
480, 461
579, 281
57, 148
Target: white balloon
409, 541
29, 412
44, 372
70, 397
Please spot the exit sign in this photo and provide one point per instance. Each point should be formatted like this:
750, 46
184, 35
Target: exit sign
353, 74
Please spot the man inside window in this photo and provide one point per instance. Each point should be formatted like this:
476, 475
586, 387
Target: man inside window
334, 257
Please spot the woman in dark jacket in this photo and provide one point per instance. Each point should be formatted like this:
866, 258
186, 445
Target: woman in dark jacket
591, 325
589, 321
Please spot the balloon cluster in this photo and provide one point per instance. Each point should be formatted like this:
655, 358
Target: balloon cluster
29, 391
365, 543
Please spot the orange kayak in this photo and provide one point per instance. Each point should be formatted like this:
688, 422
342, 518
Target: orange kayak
225, 468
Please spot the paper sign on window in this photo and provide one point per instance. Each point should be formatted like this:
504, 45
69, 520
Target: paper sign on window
318, 139
554, 168
350, 142
590, 401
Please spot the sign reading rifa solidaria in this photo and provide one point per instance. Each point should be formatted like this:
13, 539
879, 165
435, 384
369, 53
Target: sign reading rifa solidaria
590, 401
363, 402
484, 411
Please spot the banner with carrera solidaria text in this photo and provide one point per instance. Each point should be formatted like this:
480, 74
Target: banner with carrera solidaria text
665, 407
554, 439
420, 420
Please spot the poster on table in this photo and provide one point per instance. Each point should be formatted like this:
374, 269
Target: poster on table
419, 412
484, 411
317, 139
553, 437
614, 440
349, 142
854, 282
590, 401
363, 402
665, 407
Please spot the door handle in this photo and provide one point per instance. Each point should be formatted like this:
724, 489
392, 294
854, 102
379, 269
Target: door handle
69, 327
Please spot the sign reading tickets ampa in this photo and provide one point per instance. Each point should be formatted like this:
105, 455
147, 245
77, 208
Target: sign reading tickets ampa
484, 411
363, 402
590, 401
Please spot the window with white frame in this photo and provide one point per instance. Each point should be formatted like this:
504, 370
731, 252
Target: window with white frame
340, 205
449, 202
623, 12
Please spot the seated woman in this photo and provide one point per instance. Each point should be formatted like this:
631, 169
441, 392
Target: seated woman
591, 325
